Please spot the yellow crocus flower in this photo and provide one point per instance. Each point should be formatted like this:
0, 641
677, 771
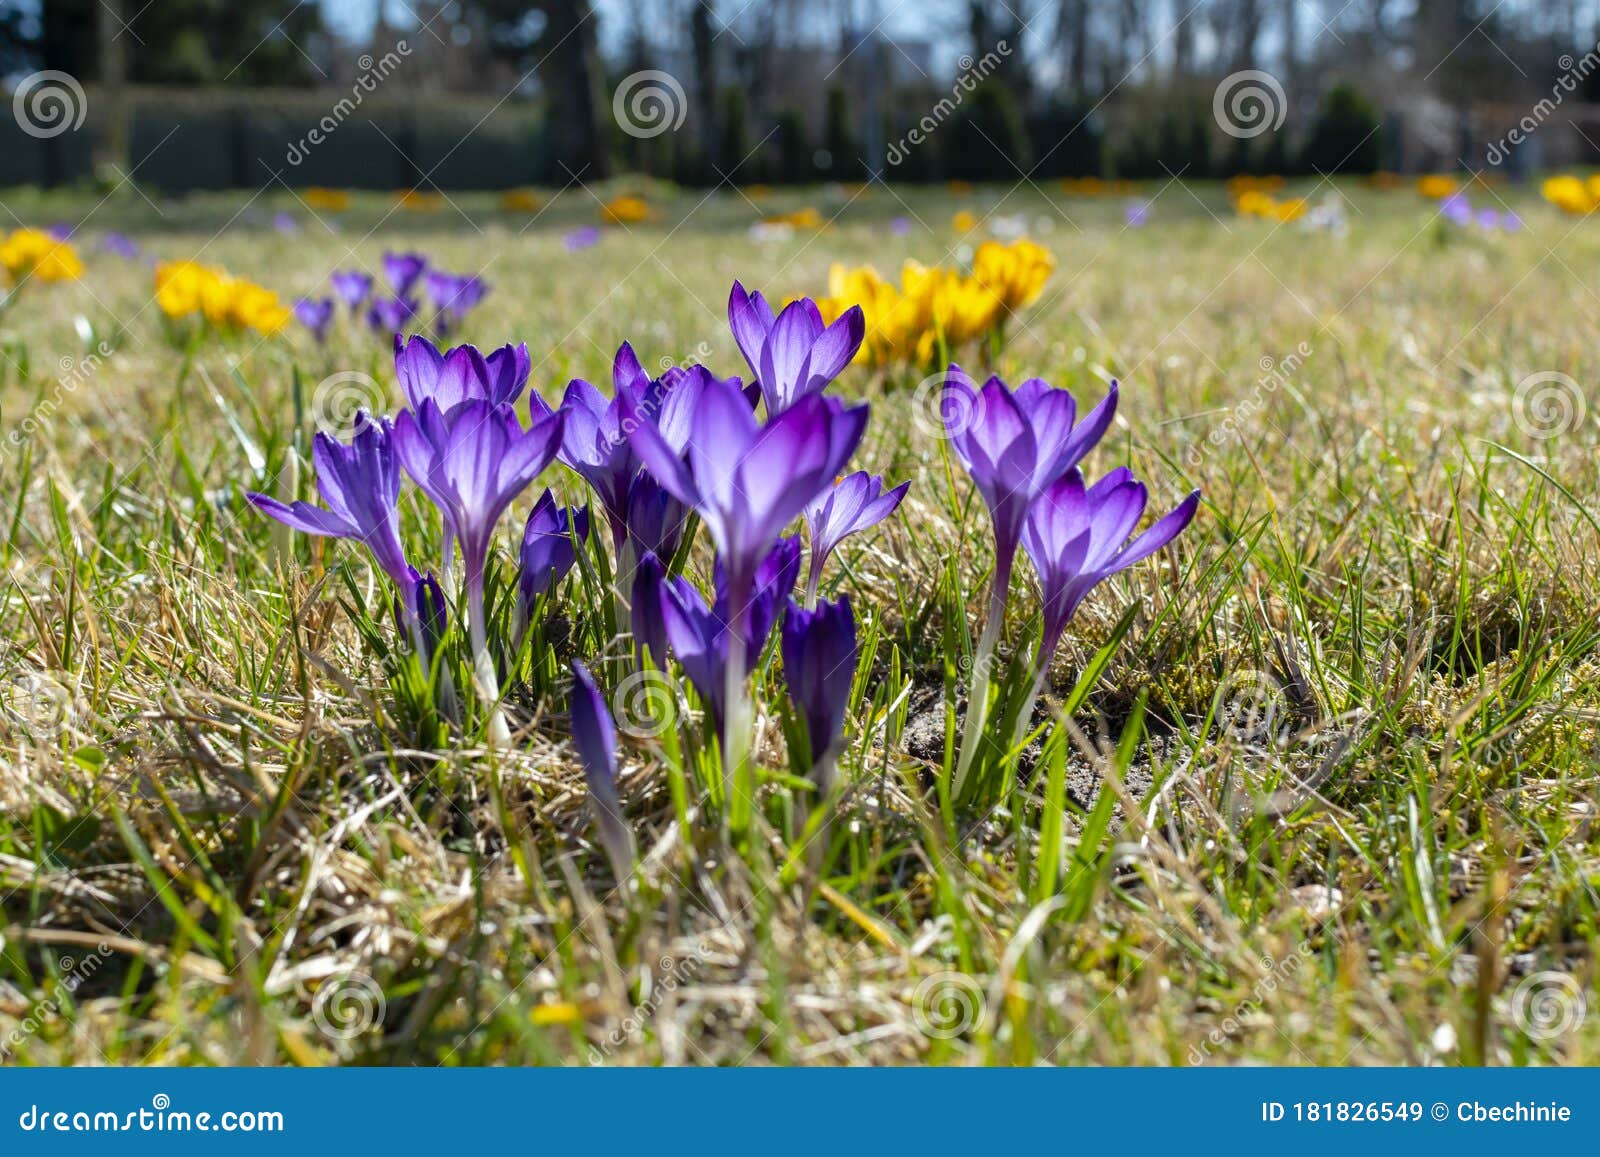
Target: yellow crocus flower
1016, 273
34, 253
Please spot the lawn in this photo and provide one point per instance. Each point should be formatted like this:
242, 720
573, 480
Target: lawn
1329, 798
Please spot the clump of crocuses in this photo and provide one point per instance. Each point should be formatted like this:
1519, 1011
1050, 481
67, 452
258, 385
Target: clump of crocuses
463, 444
412, 291
663, 456
1022, 448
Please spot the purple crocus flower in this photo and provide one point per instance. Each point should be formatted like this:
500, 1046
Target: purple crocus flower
794, 353
655, 518
1488, 219
856, 502
703, 638
697, 638
1510, 222
120, 244
594, 734
596, 446
315, 313
580, 239
454, 296
548, 550
390, 315
402, 271
1137, 214
352, 286
648, 626
60, 231
472, 465
421, 613
1456, 209
360, 485
900, 226
452, 376
1015, 445
775, 577
285, 223
747, 480
1077, 538
819, 664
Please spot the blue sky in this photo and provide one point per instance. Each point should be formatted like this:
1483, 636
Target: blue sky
354, 18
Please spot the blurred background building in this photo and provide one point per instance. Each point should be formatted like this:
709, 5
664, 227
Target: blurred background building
500, 93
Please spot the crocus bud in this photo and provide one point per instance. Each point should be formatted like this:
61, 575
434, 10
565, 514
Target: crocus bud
649, 628
819, 663
548, 550
594, 734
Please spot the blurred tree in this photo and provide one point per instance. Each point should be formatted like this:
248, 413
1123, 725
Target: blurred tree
794, 150
989, 141
1172, 146
558, 39
1347, 136
734, 147
839, 139
1244, 16
67, 41
1183, 37
1072, 34
704, 41
255, 42
1069, 140
1199, 156
991, 23
178, 42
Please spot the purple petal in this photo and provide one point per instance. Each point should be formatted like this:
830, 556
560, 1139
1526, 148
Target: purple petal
837, 347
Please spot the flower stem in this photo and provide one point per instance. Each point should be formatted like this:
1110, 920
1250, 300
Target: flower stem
814, 580
982, 661
1042, 660
447, 565
738, 785
483, 672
